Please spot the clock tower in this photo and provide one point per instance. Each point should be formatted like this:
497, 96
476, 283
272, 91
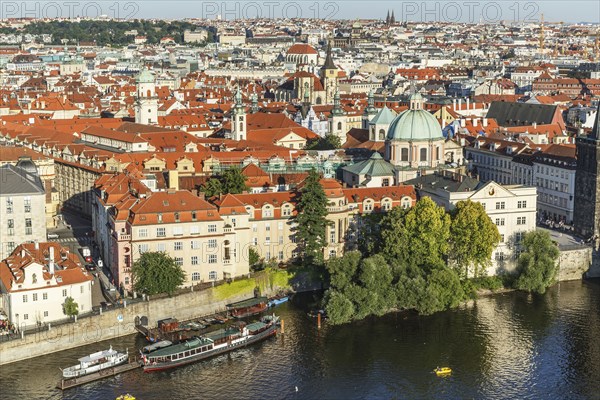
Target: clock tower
586, 217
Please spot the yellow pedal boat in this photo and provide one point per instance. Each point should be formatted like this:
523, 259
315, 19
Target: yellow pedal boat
442, 371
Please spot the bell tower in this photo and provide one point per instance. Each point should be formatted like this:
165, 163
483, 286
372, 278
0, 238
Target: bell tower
238, 120
146, 104
337, 119
329, 76
586, 213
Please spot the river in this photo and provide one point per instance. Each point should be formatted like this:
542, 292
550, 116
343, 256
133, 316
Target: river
505, 346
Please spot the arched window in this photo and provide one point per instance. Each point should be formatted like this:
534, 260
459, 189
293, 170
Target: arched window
404, 154
381, 134
437, 153
319, 101
339, 126
332, 253
195, 276
241, 126
423, 154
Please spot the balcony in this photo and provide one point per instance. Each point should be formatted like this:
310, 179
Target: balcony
121, 236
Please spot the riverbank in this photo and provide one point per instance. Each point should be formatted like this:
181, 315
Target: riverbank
120, 322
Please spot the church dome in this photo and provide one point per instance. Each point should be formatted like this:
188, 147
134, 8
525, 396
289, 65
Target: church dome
415, 124
145, 76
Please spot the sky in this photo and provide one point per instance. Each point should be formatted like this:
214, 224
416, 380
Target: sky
417, 10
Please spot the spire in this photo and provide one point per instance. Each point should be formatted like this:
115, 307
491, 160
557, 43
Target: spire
328, 60
392, 18
370, 110
337, 106
387, 19
239, 107
254, 103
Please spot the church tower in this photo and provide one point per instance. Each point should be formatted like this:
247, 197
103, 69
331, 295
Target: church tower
146, 103
238, 120
337, 119
370, 111
587, 183
329, 76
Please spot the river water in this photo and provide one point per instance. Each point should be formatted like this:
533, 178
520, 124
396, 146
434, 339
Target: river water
506, 346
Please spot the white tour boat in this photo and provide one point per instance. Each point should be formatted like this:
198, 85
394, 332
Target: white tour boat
96, 362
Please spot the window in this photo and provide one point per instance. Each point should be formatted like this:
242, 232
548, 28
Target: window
254, 228
500, 205
195, 276
499, 256
233, 222
195, 244
499, 221
193, 215
280, 256
161, 232
10, 226
502, 238
212, 243
212, 258
177, 217
280, 225
194, 230
24, 298
35, 297
521, 220
44, 296
332, 236
212, 275
404, 154
519, 237
267, 212
81, 289
28, 226
255, 241
27, 204
178, 246
45, 313
194, 260
268, 255
423, 154
143, 232
368, 206
25, 316
522, 204
143, 248
287, 211
280, 241
268, 227
212, 228
268, 240
177, 231
179, 261
9, 205
161, 247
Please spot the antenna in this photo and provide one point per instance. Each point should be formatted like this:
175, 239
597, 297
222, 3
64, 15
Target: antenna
542, 34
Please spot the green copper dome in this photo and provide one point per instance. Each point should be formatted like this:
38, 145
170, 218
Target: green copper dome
415, 123
145, 76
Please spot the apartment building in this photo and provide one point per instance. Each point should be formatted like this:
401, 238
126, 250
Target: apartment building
36, 279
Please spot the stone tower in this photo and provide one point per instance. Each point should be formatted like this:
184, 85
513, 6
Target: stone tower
329, 76
146, 104
587, 183
370, 110
238, 120
337, 119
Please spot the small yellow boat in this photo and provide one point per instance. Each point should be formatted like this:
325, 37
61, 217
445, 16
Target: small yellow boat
126, 397
443, 371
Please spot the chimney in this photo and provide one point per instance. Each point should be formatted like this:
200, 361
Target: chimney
534, 125
174, 179
36, 245
475, 121
485, 122
51, 262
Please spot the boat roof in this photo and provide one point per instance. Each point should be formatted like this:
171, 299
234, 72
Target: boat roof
256, 326
222, 333
98, 355
179, 347
248, 302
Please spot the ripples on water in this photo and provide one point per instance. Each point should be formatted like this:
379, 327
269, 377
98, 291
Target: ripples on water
508, 346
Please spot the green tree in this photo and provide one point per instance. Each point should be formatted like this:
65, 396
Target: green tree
233, 181
212, 188
71, 308
537, 265
311, 219
329, 142
418, 236
339, 308
156, 272
253, 257
368, 232
473, 237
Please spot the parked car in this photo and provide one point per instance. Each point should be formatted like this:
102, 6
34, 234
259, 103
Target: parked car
90, 267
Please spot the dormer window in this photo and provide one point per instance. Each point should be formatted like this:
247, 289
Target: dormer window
159, 217
34, 278
193, 215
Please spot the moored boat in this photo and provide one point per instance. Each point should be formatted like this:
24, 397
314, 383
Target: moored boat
277, 300
95, 362
201, 347
442, 371
246, 308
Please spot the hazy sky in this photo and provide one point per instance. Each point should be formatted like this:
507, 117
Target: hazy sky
418, 10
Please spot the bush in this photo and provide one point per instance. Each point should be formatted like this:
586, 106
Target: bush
488, 282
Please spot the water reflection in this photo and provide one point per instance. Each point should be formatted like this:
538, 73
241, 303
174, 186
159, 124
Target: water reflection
506, 346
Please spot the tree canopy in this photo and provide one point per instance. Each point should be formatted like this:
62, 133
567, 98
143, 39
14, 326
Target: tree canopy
311, 219
212, 188
329, 142
71, 308
473, 237
156, 272
418, 236
537, 264
233, 181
